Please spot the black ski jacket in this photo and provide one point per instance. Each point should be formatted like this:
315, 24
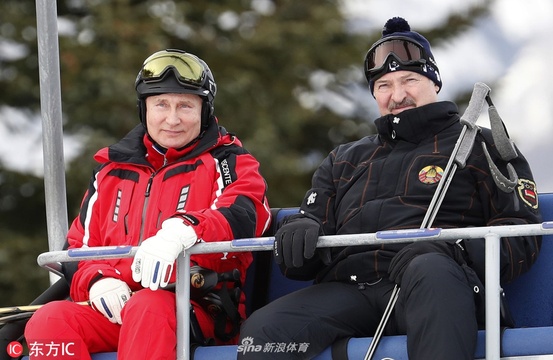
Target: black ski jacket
386, 181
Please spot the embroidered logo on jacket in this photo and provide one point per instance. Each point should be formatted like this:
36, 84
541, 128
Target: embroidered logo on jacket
430, 174
528, 193
311, 198
226, 172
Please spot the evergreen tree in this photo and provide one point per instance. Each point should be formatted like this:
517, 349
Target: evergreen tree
284, 71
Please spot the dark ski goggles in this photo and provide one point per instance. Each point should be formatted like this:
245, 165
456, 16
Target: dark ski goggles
187, 68
404, 50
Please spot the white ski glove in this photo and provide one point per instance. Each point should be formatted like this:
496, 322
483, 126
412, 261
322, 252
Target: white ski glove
154, 260
108, 296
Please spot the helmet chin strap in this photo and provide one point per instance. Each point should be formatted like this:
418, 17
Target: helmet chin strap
207, 113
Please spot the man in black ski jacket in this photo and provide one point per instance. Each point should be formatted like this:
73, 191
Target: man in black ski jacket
386, 182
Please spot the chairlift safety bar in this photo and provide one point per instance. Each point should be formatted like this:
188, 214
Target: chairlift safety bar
51, 260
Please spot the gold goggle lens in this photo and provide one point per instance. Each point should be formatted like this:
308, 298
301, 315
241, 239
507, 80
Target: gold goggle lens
187, 68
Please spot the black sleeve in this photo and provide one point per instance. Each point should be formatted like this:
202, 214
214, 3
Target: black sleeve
514, 206
317, 204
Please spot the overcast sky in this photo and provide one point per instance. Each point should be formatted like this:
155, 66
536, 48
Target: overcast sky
509, 49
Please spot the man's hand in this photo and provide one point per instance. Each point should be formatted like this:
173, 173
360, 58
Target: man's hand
108, 296
296, 241
154, 261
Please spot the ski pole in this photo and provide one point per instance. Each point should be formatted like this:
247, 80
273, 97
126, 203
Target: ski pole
15, 313
29, 308
461, 151
458, 158
382, 324
33, 308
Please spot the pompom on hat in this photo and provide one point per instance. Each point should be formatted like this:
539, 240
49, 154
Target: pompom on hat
400, 49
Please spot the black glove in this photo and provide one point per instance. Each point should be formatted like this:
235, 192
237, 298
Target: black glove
402, 259
296, 241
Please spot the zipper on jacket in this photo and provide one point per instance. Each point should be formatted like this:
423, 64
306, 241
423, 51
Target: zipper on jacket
145, 207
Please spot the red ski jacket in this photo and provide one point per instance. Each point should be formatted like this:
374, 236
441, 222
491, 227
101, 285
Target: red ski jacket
214, 182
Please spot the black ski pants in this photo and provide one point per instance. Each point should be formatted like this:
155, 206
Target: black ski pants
435, 309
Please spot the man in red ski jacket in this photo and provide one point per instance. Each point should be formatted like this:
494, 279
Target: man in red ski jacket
176, 179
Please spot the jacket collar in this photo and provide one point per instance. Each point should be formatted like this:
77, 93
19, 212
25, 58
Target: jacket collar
415, 125
133, 147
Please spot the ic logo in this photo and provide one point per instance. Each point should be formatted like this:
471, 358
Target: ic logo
14, 349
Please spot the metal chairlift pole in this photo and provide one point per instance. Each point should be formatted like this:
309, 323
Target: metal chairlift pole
52, 134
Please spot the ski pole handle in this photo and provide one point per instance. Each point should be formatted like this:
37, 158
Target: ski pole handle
475, 105
469, 118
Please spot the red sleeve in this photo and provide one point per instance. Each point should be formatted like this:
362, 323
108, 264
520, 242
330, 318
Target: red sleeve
240, 208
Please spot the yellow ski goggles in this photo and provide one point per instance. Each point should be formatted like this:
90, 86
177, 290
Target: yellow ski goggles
187, 67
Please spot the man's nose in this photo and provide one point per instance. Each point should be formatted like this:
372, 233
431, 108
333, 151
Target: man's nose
172, 117
398, 93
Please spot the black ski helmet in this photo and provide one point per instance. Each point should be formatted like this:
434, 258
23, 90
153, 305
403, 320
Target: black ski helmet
176, 71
